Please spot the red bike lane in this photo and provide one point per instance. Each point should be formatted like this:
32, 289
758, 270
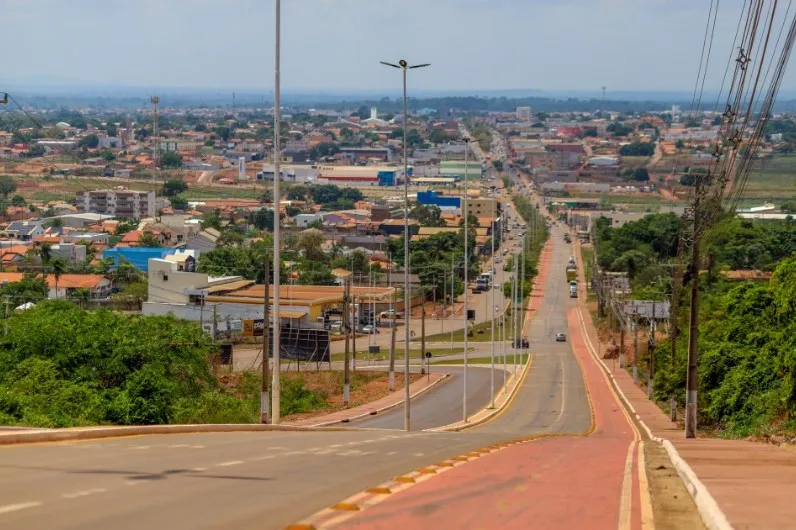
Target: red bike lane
579, 481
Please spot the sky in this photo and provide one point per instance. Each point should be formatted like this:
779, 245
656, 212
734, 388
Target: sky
327, 45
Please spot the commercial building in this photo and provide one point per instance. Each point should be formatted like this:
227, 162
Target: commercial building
524, 113
126, 204
456, 168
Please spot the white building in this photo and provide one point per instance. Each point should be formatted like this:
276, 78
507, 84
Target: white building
304, 219
127, 203
524, 113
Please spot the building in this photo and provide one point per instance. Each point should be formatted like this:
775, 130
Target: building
24, 230
357, 154
524, 113
99, 286
138, 257
127, 204
304, 219
358, 176
456, 168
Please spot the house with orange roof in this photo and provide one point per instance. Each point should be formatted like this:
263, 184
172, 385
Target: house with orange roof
65, 285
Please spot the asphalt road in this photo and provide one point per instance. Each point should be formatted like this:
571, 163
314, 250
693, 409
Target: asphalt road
271, 479
444, 406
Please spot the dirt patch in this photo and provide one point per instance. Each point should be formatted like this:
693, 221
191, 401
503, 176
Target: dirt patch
366, 387
672, 506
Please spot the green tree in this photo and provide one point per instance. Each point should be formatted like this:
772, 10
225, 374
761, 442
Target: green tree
212, 220
223, 132
179, 203
298, 192
18, 200
111, 130
323, 150
170, 160
7, 185
498, 165
641, 174
310, 243
427, 215
638, 149
148, 240
173, 187
90, 140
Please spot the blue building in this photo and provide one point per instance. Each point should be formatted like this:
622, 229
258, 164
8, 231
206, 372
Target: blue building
138, 257
443, 202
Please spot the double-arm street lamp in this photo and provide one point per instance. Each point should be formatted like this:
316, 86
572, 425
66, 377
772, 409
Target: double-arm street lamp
404, 66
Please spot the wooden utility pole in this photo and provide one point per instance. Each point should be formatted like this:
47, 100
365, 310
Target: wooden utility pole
651, 343
693, 330
621, 342
265, 400
347, 328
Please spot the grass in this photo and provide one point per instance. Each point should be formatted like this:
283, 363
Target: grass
521, 358
772, 179
481, 333
587, 255
384, 355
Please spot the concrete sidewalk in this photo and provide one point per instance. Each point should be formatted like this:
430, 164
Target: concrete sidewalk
753, 484
389, 401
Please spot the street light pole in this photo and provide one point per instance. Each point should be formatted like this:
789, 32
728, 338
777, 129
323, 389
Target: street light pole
404, 66
466, 275
275, 385
492, 315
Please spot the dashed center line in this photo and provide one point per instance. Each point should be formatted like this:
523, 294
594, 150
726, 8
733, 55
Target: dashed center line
8, 508
230, 463
83, 493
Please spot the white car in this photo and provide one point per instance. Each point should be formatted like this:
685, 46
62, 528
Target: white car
498, 259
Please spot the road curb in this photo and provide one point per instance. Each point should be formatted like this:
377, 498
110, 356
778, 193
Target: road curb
93, 433
445, 378
712, 515
457, 427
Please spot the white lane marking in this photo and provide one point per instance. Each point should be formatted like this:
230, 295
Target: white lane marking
563, 391
418, 454
392, 453
336, 445
258, 458
141, 447
230, 463
291, 453
277, 448
8, 508
83, 493
349, 453
198, 469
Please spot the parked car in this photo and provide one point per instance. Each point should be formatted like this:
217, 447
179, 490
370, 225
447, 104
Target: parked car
561, 337
368, 329
390, 314
521, 342
498, 259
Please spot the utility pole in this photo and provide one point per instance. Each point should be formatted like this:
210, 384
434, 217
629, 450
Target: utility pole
693, 322
276, 385
354, 333
265, 401
6, 316
453, 295
651, 343
347, 327
635, 345
621, 339
393, 324
423, 337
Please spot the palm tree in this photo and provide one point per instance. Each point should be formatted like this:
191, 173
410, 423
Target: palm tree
57, 267
45, 253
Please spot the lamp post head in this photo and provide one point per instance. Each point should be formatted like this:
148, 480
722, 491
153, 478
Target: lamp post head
403, 63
